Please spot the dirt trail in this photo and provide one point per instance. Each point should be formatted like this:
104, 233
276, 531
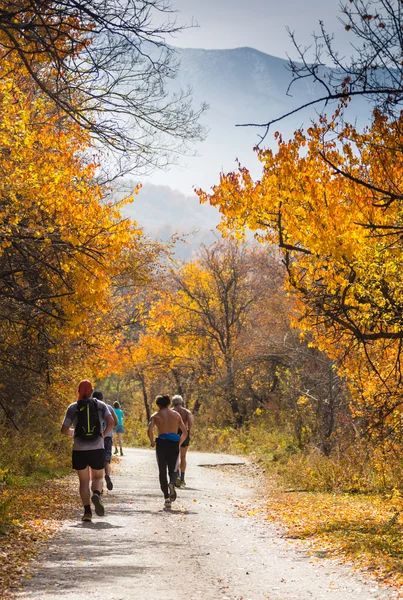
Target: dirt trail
199, 550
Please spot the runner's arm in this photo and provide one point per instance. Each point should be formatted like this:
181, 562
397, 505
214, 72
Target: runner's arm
182, 427
109, 424
150, 431
67, 425
114, 417
190, 421
67, 430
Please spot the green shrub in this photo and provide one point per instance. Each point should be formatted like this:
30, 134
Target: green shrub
360, 467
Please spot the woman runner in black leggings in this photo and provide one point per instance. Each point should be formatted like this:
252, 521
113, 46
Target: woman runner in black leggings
167, 422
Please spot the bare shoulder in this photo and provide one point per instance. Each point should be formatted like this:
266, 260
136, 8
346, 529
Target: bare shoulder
153, 415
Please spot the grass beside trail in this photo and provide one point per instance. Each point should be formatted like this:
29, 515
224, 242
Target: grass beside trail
363, 529
336, 507
31, 509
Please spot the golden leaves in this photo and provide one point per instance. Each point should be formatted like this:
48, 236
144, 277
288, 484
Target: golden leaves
34, 513
359, 528
54, 211
331, 199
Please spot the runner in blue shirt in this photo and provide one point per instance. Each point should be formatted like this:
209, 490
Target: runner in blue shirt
118, 430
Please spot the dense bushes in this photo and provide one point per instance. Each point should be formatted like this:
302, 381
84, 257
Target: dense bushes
357, 466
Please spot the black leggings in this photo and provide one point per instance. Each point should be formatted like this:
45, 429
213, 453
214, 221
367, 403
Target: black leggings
167, 455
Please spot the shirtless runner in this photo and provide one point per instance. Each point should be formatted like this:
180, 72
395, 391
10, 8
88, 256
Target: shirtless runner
187, 418
167, 422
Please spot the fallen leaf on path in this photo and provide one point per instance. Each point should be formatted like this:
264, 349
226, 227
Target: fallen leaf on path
29, 530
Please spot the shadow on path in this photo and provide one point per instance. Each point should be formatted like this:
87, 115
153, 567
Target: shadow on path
97, 525
72, 565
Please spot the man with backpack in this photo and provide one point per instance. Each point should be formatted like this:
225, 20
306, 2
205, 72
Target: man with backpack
86, 417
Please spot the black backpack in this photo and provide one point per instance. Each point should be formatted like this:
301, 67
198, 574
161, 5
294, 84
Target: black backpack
88, 426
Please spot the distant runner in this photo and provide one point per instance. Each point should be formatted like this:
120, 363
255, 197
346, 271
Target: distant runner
107, 443
87, 415
118, 430
167, 422
187, 418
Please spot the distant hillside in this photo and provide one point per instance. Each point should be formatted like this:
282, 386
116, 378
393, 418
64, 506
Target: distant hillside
241, 85
162, 212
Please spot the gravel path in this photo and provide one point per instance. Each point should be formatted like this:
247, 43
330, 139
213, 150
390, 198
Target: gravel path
201, 549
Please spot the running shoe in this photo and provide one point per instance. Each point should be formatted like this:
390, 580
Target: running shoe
99, 507
167, 503
87, 517
178, 482
109, 483
183, 483
172, 492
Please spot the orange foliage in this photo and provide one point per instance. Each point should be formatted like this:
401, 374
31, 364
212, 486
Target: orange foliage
331, 199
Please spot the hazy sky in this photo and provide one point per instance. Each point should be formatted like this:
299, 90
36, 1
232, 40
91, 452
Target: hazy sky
260, 24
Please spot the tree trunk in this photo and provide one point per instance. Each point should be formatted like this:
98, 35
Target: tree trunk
231, 392
328, 417
178, 382
197, 405
145, 395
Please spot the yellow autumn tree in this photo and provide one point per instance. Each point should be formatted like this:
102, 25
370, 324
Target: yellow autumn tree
106, 69
201, 338
331, 200
68, 260
166, 355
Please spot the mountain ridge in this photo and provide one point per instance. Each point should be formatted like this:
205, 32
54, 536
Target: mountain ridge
241, 85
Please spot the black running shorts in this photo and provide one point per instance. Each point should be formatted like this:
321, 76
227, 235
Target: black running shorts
186, 442
88, 458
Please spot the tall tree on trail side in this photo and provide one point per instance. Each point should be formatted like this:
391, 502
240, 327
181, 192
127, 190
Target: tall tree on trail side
63, 251
219, 291
331, 199
105, 65
341, 243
